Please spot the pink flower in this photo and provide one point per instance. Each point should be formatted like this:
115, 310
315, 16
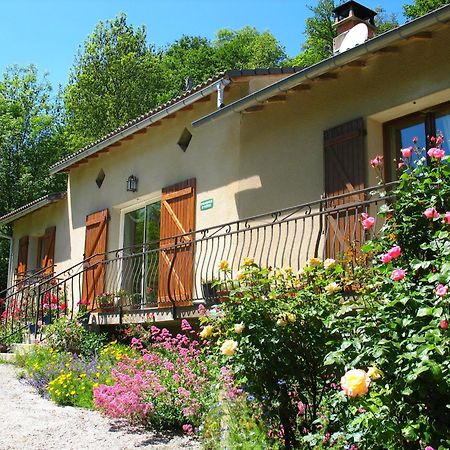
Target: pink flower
429, 447
441, 290
431, 213
446, 218
377, 161
437, 153
401, 164
444, 324
415, 139
407, 152
367, 221
398, 274
395, 252
386, 258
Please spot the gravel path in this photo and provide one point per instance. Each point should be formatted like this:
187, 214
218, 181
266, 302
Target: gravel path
29, 422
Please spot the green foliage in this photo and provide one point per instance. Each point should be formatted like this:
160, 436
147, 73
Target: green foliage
421, 7
69, 335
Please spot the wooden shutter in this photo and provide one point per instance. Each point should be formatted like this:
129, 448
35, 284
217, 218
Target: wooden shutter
22, 259
94, 254
345, 172
177, 217
47, 251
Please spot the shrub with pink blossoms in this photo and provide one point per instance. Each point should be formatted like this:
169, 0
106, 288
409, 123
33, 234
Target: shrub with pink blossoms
168, 387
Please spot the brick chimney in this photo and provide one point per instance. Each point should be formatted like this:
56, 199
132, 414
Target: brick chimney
347, 16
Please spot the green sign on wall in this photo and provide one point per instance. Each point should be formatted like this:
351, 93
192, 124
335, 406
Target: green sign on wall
206, 204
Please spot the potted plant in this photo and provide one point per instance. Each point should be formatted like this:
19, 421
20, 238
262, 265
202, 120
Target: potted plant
105, 302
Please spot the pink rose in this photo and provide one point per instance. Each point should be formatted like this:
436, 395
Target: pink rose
429, 447
407, 152
446, 218
395, 252
431, 213
367, 221
386, 258
401, 164
441, 290
398, 274
444, 324
377, 161
437, 153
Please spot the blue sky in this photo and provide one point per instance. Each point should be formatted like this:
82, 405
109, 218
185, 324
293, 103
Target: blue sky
47, 33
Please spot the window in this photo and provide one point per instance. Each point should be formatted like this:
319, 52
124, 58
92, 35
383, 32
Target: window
140, 267
399, 134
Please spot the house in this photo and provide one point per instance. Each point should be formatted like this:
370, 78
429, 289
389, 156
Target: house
271, 164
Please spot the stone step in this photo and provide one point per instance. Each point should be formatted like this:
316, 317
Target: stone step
8, 357
21, 348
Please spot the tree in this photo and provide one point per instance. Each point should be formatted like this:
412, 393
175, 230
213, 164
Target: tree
385, 21
30, 141
115, 78
421, 7
247, 48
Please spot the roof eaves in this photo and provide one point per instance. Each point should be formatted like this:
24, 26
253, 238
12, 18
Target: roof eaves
441, 15
31, 207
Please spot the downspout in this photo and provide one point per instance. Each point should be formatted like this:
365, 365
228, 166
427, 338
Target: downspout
220, 86
9, 280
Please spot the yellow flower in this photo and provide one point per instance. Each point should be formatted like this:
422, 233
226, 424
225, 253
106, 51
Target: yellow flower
97, 375
282, 322
248, 262
375, 373
329, 263
224, 265
355, 382
96, 385
228, 347
288, 270
314, 262
207, 331
291, 317
240, 275
239, 328
332, 288
72, 392
82, 375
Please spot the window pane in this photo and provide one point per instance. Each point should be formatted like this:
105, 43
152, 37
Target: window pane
134, 228
443, 127
409, 133
152, 256
152, 226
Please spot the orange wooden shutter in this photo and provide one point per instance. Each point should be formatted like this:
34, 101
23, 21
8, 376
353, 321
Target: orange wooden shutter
345, 172
22, 259
177, 217
48, 250
94, 254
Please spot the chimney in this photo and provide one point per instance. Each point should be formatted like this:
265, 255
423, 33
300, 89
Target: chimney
347, 16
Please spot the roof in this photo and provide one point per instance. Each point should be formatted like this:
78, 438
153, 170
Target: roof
32, 206
361, 11
175, 104
323, 68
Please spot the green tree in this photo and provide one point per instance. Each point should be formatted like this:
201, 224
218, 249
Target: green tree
30, 141
115, 78
421, 7
385, 21
247, 48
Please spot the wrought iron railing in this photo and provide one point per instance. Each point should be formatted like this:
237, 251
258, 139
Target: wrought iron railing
176, 272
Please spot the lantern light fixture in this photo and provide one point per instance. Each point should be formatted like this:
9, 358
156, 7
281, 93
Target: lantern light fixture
132, 183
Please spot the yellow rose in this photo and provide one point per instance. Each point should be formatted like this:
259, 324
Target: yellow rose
248, 262
355, 383
314, 262
207, 331
375, 373
239, 328
291, 317
240, 275
224, 265
332, 287
228, 347
329, 263
282, 322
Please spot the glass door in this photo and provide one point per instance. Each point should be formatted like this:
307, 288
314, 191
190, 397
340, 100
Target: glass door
140, 265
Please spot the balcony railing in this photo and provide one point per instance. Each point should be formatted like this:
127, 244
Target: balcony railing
180, 271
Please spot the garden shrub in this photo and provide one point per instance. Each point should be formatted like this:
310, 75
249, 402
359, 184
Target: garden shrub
168, 386
341, 356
